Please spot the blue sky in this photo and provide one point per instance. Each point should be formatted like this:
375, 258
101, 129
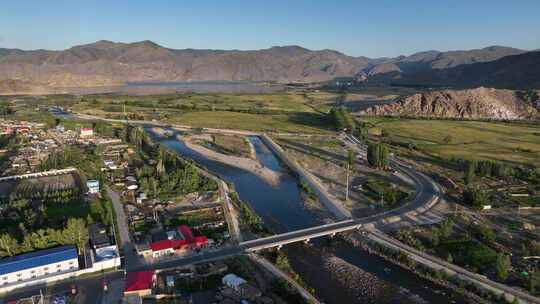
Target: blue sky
369, 28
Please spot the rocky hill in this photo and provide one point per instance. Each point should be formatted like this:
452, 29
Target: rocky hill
480, 103
105, 63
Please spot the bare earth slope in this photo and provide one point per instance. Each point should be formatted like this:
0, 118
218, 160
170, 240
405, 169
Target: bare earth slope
480, 103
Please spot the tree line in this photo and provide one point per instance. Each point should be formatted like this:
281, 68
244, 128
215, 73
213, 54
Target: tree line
377, 155
74, 233
342, 119
165, 173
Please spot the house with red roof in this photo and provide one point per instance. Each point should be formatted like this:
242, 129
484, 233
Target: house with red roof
170, 246
140, 283
167, 247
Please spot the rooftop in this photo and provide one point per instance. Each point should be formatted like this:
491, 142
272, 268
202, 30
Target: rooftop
139, 280
37, 259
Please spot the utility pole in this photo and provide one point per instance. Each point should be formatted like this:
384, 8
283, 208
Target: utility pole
350, 162
40, 296
347, 190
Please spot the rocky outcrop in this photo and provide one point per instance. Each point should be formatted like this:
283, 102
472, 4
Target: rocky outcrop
480, 103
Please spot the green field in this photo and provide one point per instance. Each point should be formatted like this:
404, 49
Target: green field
287, 102
514, 143
294, 122
279, 112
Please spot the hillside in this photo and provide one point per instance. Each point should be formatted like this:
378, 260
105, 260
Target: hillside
512, 72
435, 60
480, 103
109, 63
106, 63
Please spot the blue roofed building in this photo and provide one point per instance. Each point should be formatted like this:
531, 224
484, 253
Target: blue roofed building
38, 264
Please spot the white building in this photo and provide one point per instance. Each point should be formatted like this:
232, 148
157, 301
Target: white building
38, 264
233, 281
93, 186
86, 132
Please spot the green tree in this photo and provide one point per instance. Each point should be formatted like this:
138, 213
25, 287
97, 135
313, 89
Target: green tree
470, 172
446, 228
533, 282
377, 155
502, 266
475, 197
8, 245
76, 233
351, 156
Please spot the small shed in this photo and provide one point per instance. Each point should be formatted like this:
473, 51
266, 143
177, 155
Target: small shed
233, 281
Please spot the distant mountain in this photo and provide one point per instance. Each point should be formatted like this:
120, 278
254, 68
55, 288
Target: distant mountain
435, 60
514, 72
106, 63
480, 103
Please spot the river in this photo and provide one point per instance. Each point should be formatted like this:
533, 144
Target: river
337, 271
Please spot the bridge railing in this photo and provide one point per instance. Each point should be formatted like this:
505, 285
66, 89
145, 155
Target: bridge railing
297, 232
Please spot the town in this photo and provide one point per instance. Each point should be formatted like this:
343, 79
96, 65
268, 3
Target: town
64, 189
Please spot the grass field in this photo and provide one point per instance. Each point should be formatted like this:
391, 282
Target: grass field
294, 122
279, 112
289, 102
516, 143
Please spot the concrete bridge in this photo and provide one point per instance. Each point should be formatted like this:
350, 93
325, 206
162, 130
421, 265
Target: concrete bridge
303, 235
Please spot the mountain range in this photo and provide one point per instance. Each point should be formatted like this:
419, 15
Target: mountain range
106, 63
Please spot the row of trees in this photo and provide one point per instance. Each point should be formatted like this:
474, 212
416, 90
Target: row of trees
377, 155
342, 119
74, 233
164, 173
5, 109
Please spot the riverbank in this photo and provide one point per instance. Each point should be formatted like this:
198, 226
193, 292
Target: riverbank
253, 166
248, 164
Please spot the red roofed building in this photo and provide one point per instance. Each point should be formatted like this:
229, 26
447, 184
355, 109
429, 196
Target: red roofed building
139, 283
86, 132
201, 241
168, 247
197, 241
186, 232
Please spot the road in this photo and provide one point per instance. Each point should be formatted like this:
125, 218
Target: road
451, 269
89, 289
130, 256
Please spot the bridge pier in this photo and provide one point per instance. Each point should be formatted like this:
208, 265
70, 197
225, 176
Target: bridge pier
306, 241
279, 247
333, 235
